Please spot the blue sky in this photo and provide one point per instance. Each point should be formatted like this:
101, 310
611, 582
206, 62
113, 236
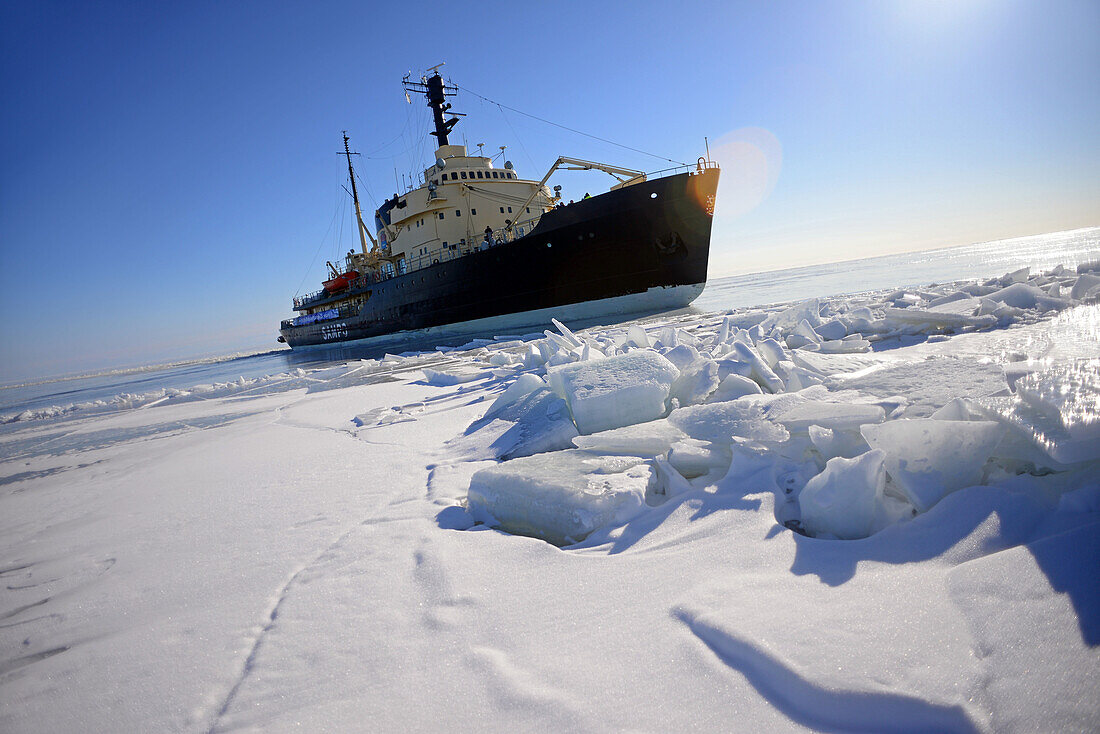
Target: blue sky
169, 177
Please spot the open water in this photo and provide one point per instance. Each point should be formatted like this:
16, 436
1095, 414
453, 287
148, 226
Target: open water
983, 260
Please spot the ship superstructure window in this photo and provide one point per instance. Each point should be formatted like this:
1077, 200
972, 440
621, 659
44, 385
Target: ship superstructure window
473, 212
509, 210
440, 215
463, 174
502, 210
495, 174
458, 212
479, 174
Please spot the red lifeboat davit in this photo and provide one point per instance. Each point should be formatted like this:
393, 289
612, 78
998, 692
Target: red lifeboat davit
341, 282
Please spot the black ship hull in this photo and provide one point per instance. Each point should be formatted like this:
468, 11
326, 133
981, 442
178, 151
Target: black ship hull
631, 241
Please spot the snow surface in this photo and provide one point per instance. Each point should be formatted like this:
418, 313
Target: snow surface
872, 513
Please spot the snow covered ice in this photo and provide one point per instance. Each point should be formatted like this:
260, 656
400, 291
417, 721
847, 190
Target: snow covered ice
875, 512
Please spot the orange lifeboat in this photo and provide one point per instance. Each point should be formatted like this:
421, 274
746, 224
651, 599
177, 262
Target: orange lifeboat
341, 282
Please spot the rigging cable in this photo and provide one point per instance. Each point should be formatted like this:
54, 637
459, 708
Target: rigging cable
335, 211
572, 130
518, 138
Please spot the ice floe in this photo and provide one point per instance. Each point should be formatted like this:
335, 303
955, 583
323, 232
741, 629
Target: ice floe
886, 434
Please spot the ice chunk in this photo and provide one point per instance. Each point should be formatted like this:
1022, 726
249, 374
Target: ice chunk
949, 298
731, 366
669, 481
1058, 410
832, 330
697, 380
965, 306
935, 319
831, 444
955, 410
733, 387
642, 439
796, 378
638, 337
838, 416
617, 391
786, 320
843, 500
524, 385
772, 351
760, 371
560, 497
720, 422
440, 378
682, 355
694, 458
569, 335
1084, 283
805, 330
845, 346
1022, 295
928, 459
534, 423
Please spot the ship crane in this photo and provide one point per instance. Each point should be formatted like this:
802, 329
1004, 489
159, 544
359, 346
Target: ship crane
625, 176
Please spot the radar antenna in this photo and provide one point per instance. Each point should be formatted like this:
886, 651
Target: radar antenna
436, 92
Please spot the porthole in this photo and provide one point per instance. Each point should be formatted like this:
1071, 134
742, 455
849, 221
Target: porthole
591, 235
653, 195
548, 244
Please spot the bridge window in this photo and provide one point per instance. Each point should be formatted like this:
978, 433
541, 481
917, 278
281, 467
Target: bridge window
479, 174
440, 215
494, 174
454, 175
463, 174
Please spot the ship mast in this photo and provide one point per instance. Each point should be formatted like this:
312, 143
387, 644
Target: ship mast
363, 233
437, 93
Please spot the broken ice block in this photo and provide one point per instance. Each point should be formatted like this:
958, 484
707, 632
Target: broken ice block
843, 500
733, 387
1084, 283
788, 319
617, 391
643, 439
524, 385
1057, 409
560, 497
534, 423
928, 459
720, 422
831, 444
836, 416
694, 458
832, 330
697, 380
761, 372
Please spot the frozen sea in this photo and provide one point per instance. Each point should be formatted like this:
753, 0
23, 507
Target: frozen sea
855, 497
985, 259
